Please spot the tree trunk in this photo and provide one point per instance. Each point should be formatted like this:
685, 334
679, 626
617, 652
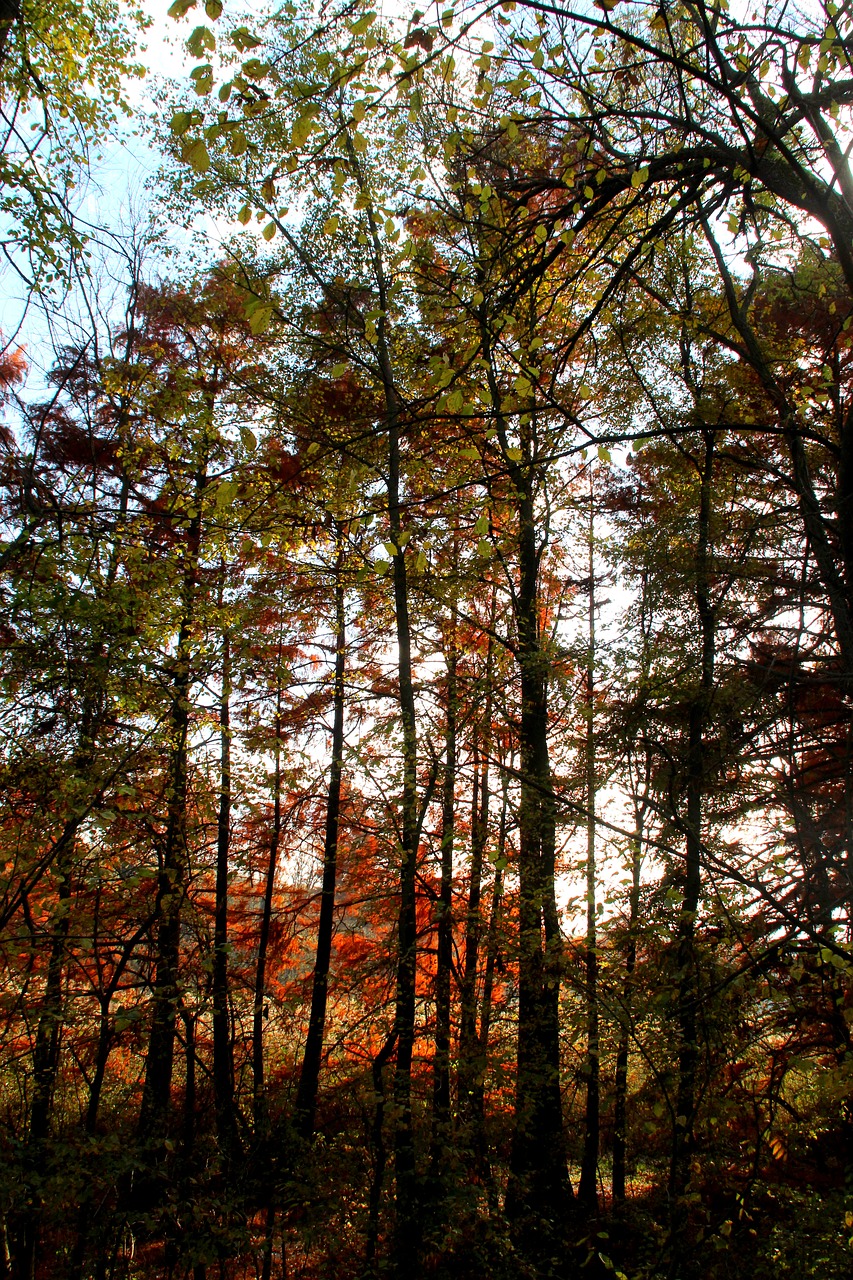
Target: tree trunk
46, 1062
171, 884
258, 1087
688, 978
588, 1185
223, 1059
620, 1108
538, 1191
306, 1096
441, 1117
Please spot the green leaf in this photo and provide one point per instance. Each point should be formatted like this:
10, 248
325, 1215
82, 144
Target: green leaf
238, 143
484, 547
301, 131
585, 391
249, 439
330, 226
226, 493
213, 9
514, 455
359, 28
338, 370
202, 38
195, 154
268, 231
259, 320
180, 8
244, 215
180, 122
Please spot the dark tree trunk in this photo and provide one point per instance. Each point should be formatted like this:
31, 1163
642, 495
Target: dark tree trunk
588, 1184
223, 1058
306, 1096
46, 1063
258, 1085
538, 1192
441, 1115
377, 1138
688, 977
171, 884
620, 1107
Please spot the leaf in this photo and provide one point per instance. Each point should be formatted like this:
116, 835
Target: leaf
226, 493
180, 122
301, 131
330, 226
244, 215
514, 455
213, 9
249, 439
359, 28
259, 320
238, 143
268, 231
195, 154
202, 38
180, 8
585, 391
484, 547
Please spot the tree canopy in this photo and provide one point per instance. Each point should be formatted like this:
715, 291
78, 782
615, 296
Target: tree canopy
426, 654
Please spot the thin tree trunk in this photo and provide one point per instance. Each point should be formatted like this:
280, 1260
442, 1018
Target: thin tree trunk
620, 1109
441, 1117
588, 1185
538, 1191
258, 1086
46, 1062
171, 885
688, 981
478, 1102
379, 1154
306, 1096
223, 1059
471, 1064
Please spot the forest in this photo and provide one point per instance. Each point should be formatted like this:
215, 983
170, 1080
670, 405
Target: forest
426, 640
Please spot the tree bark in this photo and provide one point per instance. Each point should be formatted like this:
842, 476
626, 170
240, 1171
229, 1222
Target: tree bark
171, 883
688, 978
441, 1116
538, 1191
223, 1059
258, 1087
588, 1184
306, 1096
